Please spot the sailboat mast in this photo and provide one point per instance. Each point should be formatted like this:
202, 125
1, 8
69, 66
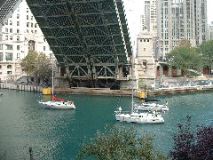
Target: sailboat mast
52, 82
132, 99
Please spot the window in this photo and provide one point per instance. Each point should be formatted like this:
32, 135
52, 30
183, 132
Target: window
1, 56
18, 47
0, 66
11, 37
11, 30
32, 25
18, 38
9, 56
28, 24
17, 30
27, 17
18, 55
44, 48
31, 45
6, 30
9, 47
11, 23
18, 16
9, 66
9, 72
18, 23
1, 46
6, 37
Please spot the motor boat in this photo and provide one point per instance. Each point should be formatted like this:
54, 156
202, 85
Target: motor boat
151, 107
136, 117
59, 104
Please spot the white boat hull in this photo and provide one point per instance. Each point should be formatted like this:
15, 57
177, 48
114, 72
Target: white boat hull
58, 104
139, 118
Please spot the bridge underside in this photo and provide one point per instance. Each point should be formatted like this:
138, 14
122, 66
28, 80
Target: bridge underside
89, 38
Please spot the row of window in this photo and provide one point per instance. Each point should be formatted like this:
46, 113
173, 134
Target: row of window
8, 72
8, 67
9, 47
144, 40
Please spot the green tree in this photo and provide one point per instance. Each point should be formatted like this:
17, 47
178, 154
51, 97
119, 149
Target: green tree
184, 43
206, 49
185, 58
120, 144
37, 65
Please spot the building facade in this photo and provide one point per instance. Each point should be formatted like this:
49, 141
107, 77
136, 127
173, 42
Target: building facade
145, 62
210, 31
19, 34
150, 16
178, 20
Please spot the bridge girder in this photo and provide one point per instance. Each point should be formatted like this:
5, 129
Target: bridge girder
89, 37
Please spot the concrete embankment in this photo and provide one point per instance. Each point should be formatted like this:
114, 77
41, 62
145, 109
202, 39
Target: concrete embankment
175, 91
108, 92
94, 91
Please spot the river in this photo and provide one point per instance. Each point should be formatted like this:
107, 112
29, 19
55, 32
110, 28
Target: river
58, 134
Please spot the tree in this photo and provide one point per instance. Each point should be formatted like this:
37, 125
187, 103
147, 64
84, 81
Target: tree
206, 49
185, 58
189, 146
184, 43
120, 144
37, 65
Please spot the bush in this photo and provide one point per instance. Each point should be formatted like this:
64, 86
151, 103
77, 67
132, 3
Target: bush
189, 146
120, 144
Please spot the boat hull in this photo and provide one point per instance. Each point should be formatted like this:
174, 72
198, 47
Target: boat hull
139, 118
58, 104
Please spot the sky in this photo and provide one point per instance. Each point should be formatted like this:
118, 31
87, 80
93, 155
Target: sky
135, 8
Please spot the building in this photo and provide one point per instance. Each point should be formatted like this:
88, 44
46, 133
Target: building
150, 16
19, 34
144, 61
210, 31
181, 19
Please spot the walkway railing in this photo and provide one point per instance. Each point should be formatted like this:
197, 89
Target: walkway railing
20, 87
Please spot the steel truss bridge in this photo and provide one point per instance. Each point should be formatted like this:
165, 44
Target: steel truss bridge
89, 38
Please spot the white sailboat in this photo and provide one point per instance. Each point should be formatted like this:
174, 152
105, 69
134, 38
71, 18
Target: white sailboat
57, 103
138, 117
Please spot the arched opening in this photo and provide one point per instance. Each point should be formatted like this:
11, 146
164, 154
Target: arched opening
158, 72
9, 66
174, 71
165, 70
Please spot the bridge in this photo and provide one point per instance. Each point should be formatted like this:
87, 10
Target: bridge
89, 38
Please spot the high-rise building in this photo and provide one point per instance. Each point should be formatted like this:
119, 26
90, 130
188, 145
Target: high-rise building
19, 34
178, 20
210, 31
150, 16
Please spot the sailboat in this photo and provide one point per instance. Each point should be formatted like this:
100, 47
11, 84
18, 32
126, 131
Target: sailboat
138, 117
57, 103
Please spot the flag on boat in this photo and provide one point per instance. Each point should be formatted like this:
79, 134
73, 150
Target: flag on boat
54, 98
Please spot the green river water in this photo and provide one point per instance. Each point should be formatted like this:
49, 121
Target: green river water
58, 134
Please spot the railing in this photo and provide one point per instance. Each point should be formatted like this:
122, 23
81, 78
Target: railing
188, 84
20, 87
